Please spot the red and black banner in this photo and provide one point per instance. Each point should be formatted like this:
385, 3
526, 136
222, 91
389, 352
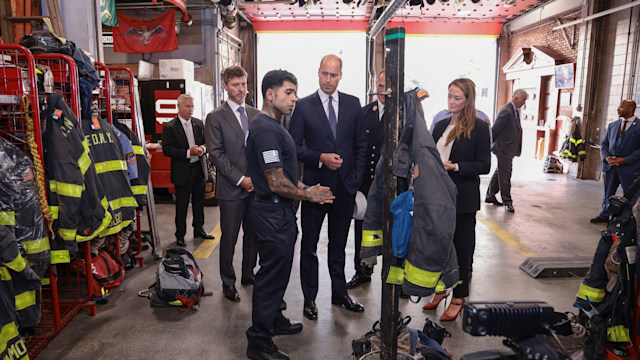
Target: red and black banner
145, 35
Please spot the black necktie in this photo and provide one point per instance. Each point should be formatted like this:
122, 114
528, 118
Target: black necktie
624, 126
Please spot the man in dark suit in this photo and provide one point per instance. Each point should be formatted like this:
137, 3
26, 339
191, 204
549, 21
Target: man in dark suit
183, 142
226, 130
506, 143
372, 116
620, 154
330, 124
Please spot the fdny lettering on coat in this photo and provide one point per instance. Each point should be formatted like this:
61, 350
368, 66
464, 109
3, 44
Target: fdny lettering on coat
99, 138
16, 351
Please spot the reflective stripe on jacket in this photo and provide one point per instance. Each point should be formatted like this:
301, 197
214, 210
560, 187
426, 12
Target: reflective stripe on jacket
111, 167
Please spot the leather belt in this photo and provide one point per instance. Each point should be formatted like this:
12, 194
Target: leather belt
276, 199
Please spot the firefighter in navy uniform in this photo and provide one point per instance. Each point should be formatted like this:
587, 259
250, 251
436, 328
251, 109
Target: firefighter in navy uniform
273, 167
372, 114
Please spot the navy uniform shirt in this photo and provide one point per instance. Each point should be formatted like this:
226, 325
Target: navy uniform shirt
269, 145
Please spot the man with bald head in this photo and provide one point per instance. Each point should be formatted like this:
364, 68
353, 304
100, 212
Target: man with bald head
329, 132
620, 154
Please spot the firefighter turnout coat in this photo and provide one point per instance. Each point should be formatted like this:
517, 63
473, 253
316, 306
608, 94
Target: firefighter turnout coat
19, 297
431, 263
76, 199
139, 185
111, 167
19, 207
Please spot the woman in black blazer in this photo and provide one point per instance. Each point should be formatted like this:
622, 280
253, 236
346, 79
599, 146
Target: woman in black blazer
464, 144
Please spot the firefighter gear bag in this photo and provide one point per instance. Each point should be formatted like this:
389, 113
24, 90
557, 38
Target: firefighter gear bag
178, 281
107, 274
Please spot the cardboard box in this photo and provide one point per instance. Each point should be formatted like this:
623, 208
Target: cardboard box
176, 69
145, 70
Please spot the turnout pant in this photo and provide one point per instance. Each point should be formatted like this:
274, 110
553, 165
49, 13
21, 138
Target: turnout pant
276, 231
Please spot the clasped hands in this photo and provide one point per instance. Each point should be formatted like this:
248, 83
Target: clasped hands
615, 161
320, 194
331, 160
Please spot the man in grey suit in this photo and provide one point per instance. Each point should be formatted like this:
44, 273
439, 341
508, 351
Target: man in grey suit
506, 143
226, 131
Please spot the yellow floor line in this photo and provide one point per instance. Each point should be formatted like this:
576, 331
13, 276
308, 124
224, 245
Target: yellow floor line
206, 248
508, 238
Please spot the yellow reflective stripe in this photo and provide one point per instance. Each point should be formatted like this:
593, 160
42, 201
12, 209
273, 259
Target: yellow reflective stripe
25, 299
123, 201
440, 287
111, 165
595, 295
60, 256
371, 238
422, 278
618, 333
7, 218
176, 303
67, 234
396, 275
103, 225
579, 141
582, 152
4, 274
137, 149
35, 246
54, 211
116, 228
139, 189
84, 162
18, 264
66, 189
8, 332
85, 146
45, 281
573, 141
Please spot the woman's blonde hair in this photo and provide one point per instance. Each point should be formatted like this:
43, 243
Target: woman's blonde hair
467, 119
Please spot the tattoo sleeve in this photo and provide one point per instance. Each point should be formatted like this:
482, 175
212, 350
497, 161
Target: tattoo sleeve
280, 185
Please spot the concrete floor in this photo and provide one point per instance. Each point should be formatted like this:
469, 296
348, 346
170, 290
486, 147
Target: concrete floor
551, 220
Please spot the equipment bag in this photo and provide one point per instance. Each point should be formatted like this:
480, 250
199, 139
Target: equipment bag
178, 281
107, 274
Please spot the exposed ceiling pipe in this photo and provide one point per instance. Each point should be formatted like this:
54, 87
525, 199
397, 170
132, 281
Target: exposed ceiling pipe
597, 15
387, 14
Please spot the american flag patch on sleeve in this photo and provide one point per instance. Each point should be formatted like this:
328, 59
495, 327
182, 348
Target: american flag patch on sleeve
270, 156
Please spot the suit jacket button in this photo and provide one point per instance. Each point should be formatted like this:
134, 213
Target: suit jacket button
372, 176
367, 131
373, 147
373, 155
372, 162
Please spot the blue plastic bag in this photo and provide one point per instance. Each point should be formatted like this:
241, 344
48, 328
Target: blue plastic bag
402, 210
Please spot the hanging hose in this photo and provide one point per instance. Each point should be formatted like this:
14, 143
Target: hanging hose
37, 161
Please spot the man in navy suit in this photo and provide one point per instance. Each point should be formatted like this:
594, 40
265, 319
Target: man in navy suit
330, 125
620, 154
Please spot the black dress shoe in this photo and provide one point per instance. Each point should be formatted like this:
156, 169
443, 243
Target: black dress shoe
285, 326
180, 242
203, 235
270, 353
230, 292
246, 281
493, 200
357, 280
509, 208
347, 303
599, 220
310, 310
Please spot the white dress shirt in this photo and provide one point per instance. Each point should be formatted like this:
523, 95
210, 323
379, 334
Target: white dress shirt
234, 108
188, 130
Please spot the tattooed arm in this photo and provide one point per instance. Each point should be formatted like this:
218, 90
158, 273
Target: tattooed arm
280, 185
